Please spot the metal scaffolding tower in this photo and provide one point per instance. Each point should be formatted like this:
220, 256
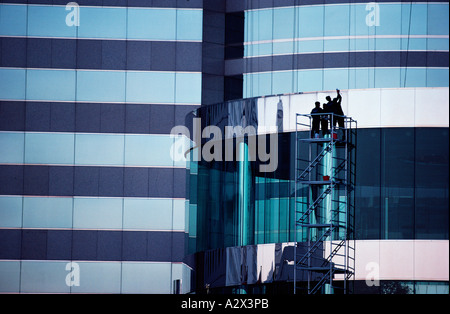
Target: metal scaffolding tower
324, 251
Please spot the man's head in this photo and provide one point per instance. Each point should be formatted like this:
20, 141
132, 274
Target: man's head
317, 104
328, 98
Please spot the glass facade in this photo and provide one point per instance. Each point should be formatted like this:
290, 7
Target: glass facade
90, 196
312, 47
401, 192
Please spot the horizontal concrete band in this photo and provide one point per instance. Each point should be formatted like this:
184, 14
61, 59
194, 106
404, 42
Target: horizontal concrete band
334, 60
92, 181
91, 245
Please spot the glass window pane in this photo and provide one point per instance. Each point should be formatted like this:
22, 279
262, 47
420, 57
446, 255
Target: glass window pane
11, 147
336, 20
310, 80
151, 24
146, 277
397, 183
282, 82
102, 23
147, 214
99, 149
188, 88
10, 211
386, 77
310, 21
49, 21
437, 77
97, 277
42, 212
283, 23
189, 24
51, 85
438, 18
47, 273
49, 148
101, 86
13, 20
390, 19
150, 87
92, 213
12, 84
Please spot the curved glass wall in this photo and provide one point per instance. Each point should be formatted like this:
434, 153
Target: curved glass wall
401, 192
359, 45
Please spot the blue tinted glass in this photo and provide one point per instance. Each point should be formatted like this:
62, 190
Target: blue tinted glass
257, 84
146, 277
10, 211
438, 19
47, 212
11, 147
311, 46
140, 150
389, 44
310, 21
437, 78
283, 47
49, 21
49, 148
151, 24
99, 149
47, 273
259, 49
415, 77
188, 88
437, 44
12, 84
335, 79
102, 23
335, 20
283, 23
414, 19
309, 81
10, 271
147, 214
103, 213
361, 78
101, 86
390, 19
179, 219
259, 25
337, 45
282, 82
385, 77
13, 20
51, 85
359, 14
189, 25
150, 87
101, 277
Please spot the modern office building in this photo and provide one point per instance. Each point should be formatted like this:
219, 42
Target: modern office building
92, 199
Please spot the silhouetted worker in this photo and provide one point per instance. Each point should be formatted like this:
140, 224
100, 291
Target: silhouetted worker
337, 109
316, 119
327, 108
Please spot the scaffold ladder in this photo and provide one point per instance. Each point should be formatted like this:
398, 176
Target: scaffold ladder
324, 207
